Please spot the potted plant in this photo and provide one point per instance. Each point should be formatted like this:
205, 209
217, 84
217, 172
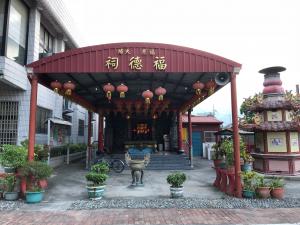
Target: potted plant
218, 156
277, 190
12, 157
227, 146
96, 179
248, 160
9, 184
262, 187
34, 172
176, 180
249, 179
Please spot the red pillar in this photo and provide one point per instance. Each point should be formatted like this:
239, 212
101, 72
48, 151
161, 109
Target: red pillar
32, 116
100, 134
236, 141
179, 131
190, 137
90, 128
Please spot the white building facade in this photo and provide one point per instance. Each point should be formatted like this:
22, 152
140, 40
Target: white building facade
30, 30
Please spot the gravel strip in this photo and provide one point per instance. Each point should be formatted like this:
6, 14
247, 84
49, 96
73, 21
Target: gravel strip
186, 203
10, 205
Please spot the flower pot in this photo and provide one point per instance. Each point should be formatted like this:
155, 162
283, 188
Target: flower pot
217, 163
222, 165
176, 192
95, 192
11, 196
248, 194
34, 197
247, 167
43, 183
9, 169
277, 193
263, 192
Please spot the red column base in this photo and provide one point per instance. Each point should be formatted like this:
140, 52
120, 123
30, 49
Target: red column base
231, 187
217, 182
223, 185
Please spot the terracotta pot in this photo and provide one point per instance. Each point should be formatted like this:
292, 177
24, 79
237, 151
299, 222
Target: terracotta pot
277, 193
43, 184
263, 192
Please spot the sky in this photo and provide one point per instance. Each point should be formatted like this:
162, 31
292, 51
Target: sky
255, 33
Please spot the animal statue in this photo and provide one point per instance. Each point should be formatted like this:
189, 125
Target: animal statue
137, 167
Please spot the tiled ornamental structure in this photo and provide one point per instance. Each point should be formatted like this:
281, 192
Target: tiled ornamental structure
277, 127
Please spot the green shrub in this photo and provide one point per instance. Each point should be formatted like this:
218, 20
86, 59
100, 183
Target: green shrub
261, 182
276, 182
176, 179
249, 180
36, 169
13, 156
97, 179
9, 183
100, 168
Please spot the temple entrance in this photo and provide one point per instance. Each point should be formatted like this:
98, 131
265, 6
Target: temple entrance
140, 130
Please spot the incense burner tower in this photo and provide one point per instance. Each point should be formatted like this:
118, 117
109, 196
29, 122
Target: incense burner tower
276, 125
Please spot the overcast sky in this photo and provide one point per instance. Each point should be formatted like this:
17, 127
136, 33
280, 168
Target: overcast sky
255, 33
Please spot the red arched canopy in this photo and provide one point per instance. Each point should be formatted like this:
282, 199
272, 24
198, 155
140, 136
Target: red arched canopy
140, 66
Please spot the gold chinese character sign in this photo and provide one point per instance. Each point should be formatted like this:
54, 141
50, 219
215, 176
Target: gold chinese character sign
160, 63
135, 63
112, 62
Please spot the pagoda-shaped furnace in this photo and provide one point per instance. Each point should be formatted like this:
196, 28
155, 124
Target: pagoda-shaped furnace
275, 121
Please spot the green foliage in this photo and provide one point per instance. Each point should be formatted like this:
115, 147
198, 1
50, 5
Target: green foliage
249, 180
62, 150
13, 156
41, 152
9, 183
97, 179
176, 179
261, 182
245, 108
219, 152
276, 182
227, 147
34, 171
100, 168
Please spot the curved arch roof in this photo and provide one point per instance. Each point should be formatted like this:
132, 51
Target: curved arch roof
91, 59
88, 68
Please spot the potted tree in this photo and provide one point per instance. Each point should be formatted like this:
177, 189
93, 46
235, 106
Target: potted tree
227, 146
218, 156
176, 180
34, 172
249, 179
277, 187
12, 157
262, 187
9, 184
96, 179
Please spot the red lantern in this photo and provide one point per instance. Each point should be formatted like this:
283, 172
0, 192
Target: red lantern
198, 86
56, 86
108, 89
160, 91
210, 86
69, 87
122, 89
147, 96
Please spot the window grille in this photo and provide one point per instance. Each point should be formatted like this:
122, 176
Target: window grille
209, 136
8, 122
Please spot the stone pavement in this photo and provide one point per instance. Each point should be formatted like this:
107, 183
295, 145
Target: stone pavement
153, 216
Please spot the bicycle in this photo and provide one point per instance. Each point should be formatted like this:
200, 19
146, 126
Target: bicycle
115, 164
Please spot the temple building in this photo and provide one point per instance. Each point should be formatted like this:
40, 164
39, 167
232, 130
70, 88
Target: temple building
275, 121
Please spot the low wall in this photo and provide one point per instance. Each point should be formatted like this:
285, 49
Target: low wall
60, 160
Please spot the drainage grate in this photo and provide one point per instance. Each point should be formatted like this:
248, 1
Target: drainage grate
8, 122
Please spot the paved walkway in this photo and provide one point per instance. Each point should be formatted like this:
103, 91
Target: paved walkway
154, 216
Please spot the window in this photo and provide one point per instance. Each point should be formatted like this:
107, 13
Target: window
2, 21
17, 32
80, 127
209, 136
42, 116
46, 41
8, 122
